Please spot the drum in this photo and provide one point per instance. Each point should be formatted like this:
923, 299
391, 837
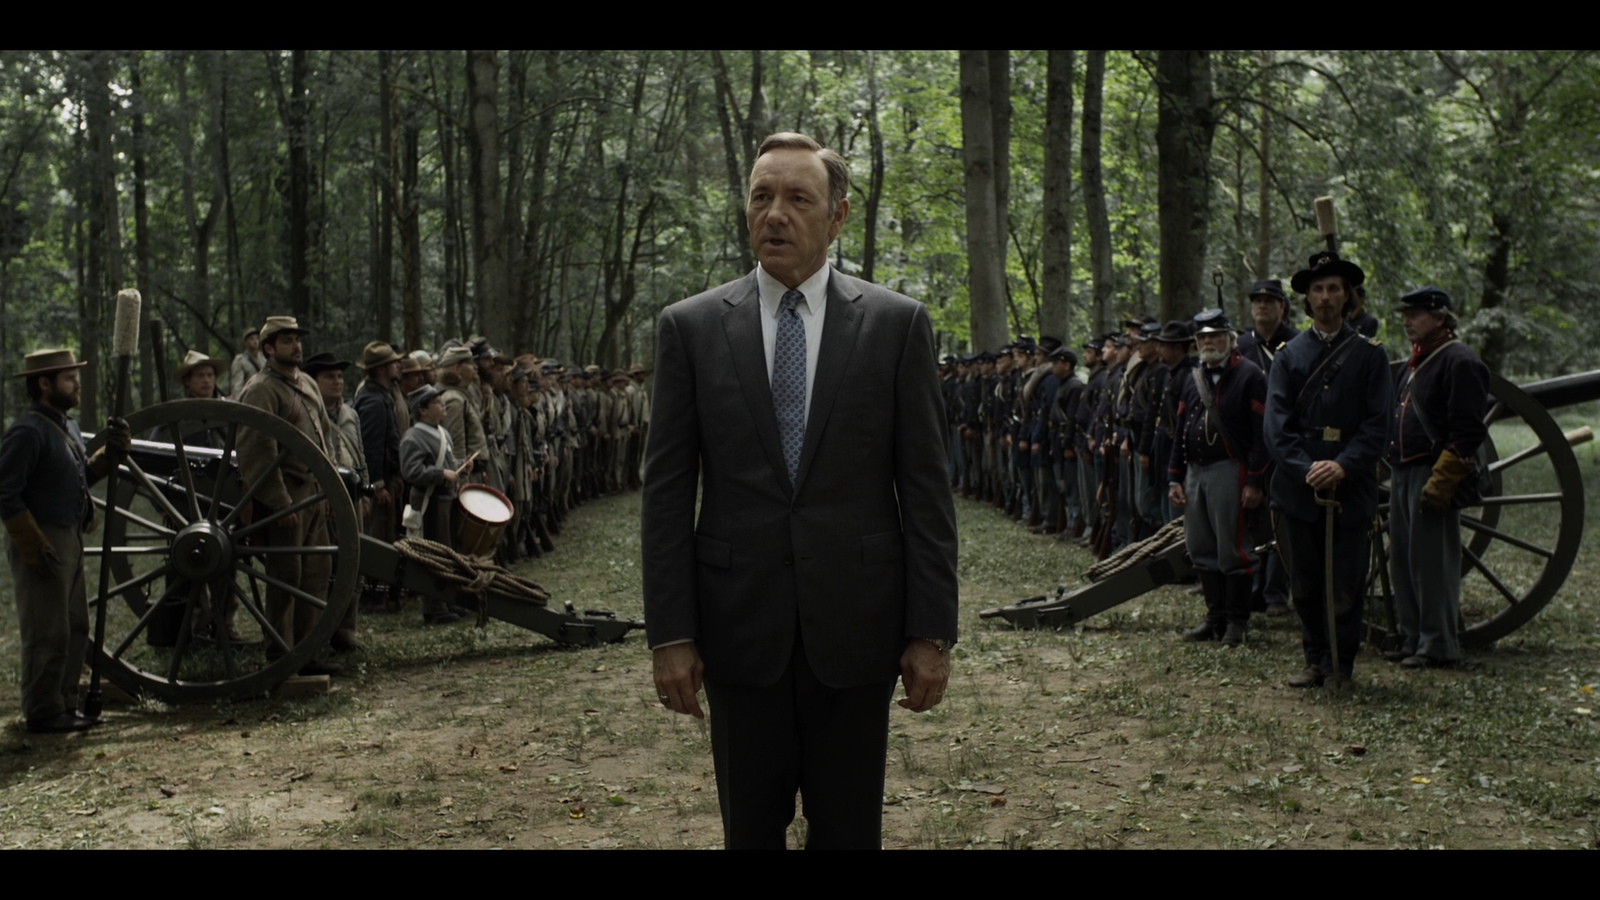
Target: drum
482, 514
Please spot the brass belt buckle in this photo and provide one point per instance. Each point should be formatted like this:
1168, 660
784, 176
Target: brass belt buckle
1330, 434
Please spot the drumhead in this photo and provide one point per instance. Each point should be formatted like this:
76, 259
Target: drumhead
484, 504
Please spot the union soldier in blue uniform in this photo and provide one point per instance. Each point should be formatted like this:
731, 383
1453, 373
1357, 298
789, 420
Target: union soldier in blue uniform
1171, 349
1260, 344
1215, 473
1329, 400
1088, 480
1443, 396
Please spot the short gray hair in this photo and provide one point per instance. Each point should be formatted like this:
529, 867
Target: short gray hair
838, 169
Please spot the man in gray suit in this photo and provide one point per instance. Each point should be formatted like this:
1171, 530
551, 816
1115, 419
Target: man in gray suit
805, 406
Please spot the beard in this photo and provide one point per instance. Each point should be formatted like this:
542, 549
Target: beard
1213, 356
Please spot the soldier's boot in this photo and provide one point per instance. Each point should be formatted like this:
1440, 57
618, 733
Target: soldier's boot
1238, 608
545, 543
1214, 588
437, 612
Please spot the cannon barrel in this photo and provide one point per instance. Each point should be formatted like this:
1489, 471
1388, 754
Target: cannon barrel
1568, 390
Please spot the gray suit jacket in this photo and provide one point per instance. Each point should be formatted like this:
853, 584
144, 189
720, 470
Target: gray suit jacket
860, 554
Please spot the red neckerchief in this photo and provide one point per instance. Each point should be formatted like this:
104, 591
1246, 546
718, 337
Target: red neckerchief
1420, 351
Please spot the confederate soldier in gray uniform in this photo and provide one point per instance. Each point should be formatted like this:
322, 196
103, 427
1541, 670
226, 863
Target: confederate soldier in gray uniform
45, 475
246, 364
1443, 397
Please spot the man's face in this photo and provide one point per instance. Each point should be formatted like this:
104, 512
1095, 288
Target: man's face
1004, 365
410, 381
986, 367
1214, 346
1267, 311
253, 343
201, 382
388, 372
331, 383
519, 392
1421, 324
1327, 297
1060, 368
62, 390
1091, 357
467, 370
285, 349
432, 412
790, 225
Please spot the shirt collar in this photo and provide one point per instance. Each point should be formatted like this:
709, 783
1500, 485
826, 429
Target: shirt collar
772, 290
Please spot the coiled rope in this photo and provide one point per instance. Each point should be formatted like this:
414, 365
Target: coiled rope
477, 576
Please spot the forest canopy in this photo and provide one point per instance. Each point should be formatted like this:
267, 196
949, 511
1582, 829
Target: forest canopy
557, 200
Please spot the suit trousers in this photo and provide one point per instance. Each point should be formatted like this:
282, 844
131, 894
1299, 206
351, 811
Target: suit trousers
829, 744
52, 624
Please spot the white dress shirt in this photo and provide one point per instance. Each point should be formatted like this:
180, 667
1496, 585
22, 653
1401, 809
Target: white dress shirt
812, 310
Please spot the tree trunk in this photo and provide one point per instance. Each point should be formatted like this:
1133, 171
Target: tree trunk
1094, 192
409, 207
869, 239
298, 126
736, 172
985, 277
531, 310
240, 317
1264, 198
388, 166
105, 241
1000, 109
488, 215
141, 233
1184, 127
1057, 251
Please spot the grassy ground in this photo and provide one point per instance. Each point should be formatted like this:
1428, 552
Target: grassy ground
1111, 735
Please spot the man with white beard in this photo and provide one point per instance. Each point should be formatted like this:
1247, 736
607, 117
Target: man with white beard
1215, 474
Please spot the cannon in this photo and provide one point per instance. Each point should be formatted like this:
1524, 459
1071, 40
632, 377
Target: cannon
184, 563
1518, 544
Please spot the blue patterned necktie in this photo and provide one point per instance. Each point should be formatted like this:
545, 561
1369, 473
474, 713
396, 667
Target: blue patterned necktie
789, 381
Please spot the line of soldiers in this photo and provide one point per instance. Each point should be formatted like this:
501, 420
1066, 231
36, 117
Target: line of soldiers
1267, 417
420, 426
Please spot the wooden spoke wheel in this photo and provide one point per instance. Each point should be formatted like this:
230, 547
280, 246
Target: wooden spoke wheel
194, 579
1518, 545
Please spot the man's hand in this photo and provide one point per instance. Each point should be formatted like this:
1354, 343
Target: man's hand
119, 439
1144, 461
36, 549
1069, 453
1176, 494
1250, 497
1325, 475
925, 671
381, 497
678, 671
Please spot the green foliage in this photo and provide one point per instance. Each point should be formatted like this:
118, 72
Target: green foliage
1441, 162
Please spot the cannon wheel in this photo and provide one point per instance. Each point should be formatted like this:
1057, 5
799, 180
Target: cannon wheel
1519, 544
178, 539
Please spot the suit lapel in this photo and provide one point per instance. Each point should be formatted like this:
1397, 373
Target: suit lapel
742, 325
839, 331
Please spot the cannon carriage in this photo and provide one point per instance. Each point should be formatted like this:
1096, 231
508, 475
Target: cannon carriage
188, 575
1518, 544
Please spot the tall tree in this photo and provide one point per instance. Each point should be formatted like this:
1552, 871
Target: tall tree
488, 214
1057, 250
985, 275
1094, 192
1184, 128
